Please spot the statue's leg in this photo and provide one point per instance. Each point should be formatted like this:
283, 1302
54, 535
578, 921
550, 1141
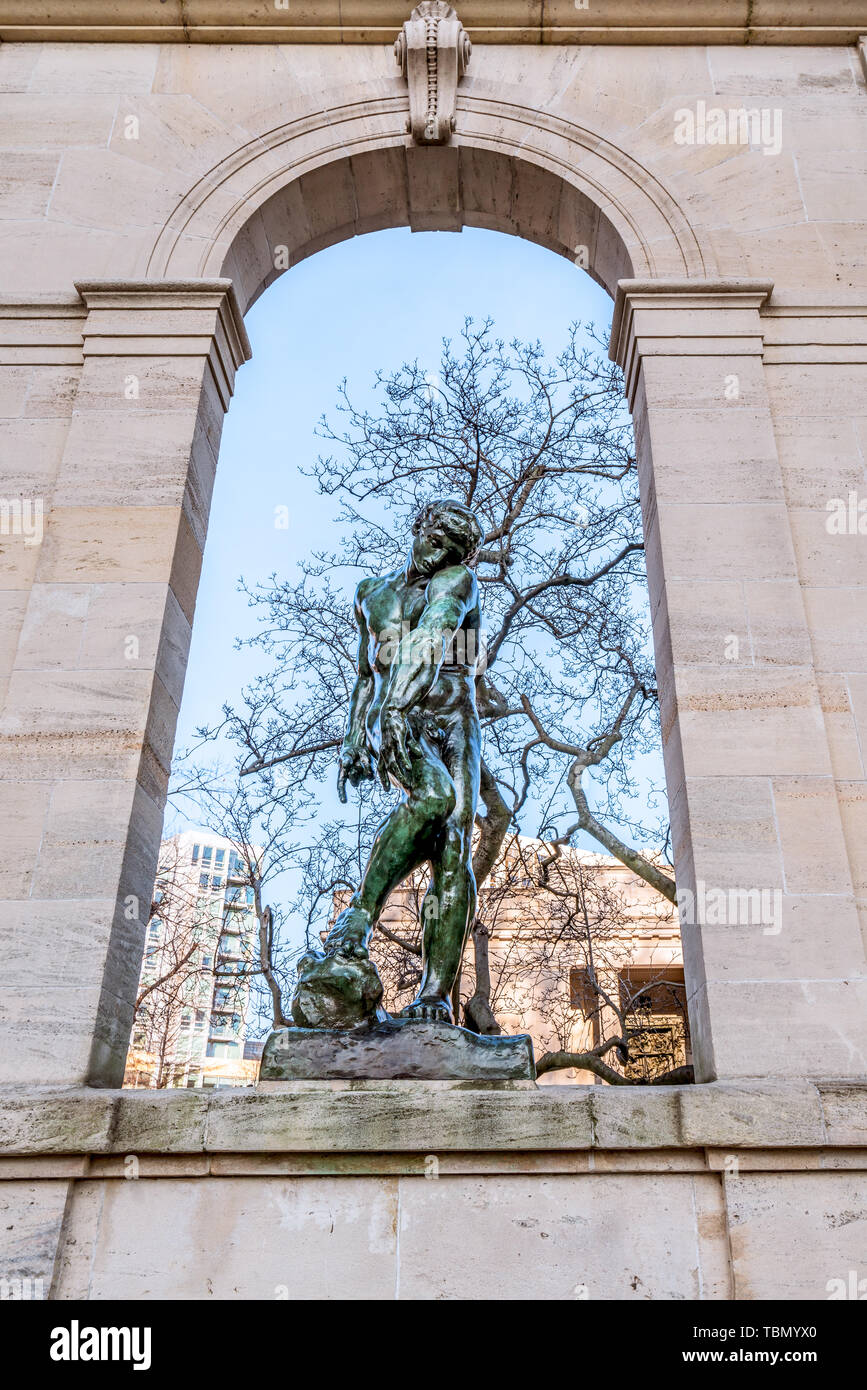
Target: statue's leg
450, 902
403, 842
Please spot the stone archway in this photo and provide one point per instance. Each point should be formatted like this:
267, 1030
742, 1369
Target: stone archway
315, 181
276, 201
155, 166
680, 332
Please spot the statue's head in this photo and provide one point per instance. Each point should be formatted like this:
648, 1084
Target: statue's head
444, 533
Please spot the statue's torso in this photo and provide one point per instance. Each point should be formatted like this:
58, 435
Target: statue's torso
393, 607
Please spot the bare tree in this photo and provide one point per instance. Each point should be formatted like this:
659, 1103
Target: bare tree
542, 450
260, 821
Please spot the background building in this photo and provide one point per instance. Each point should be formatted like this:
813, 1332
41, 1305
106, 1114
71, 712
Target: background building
194, 994
587, 956
580, 951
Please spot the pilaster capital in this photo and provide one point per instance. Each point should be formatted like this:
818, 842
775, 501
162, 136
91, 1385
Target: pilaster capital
167, 318
685, 318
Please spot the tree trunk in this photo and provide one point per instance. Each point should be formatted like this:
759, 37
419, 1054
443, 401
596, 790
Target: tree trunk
265, 920
628, 856
478, 1013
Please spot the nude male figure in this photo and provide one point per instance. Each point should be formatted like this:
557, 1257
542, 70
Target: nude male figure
413, 720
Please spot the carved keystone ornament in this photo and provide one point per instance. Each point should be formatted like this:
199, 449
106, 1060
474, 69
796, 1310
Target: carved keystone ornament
432, 51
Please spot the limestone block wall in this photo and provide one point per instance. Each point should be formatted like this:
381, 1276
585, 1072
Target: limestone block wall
105, 604
414, 1190
104, 140
147, 189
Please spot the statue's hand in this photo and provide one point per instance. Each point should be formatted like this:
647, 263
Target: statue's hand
356, 765
394, 754
349, 936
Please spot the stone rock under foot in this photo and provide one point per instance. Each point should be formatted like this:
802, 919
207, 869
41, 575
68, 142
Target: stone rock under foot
335, 991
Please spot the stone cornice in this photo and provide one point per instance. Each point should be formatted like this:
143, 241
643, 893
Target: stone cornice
486, 21
689, 318
41, 332
138, 318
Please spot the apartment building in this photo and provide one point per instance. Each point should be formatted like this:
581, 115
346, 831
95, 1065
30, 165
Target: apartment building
194, 993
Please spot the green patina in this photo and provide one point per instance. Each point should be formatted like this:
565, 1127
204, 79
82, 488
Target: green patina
412, 721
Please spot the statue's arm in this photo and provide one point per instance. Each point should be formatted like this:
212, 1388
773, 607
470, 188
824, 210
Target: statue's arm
451, 596
356, 764
362, 691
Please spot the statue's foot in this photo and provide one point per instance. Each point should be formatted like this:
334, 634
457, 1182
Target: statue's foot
431, 1008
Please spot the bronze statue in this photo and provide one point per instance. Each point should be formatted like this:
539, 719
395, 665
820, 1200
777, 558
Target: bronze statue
412, 719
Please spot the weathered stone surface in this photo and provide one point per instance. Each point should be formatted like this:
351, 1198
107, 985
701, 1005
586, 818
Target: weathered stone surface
31, 1217
399, 1049
37, 1120
651, 1118
844, 1108
322, 22
312, 1238
413, 1189
162, 1121
405, 1116
555, 1230
578, 1236
797, 1236
749, 1113
429, 1116
47, 1166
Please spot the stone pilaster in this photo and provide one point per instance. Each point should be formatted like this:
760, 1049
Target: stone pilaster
98, 670
774, 958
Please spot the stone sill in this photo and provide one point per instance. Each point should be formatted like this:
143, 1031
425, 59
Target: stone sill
509, 21
418, 1118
